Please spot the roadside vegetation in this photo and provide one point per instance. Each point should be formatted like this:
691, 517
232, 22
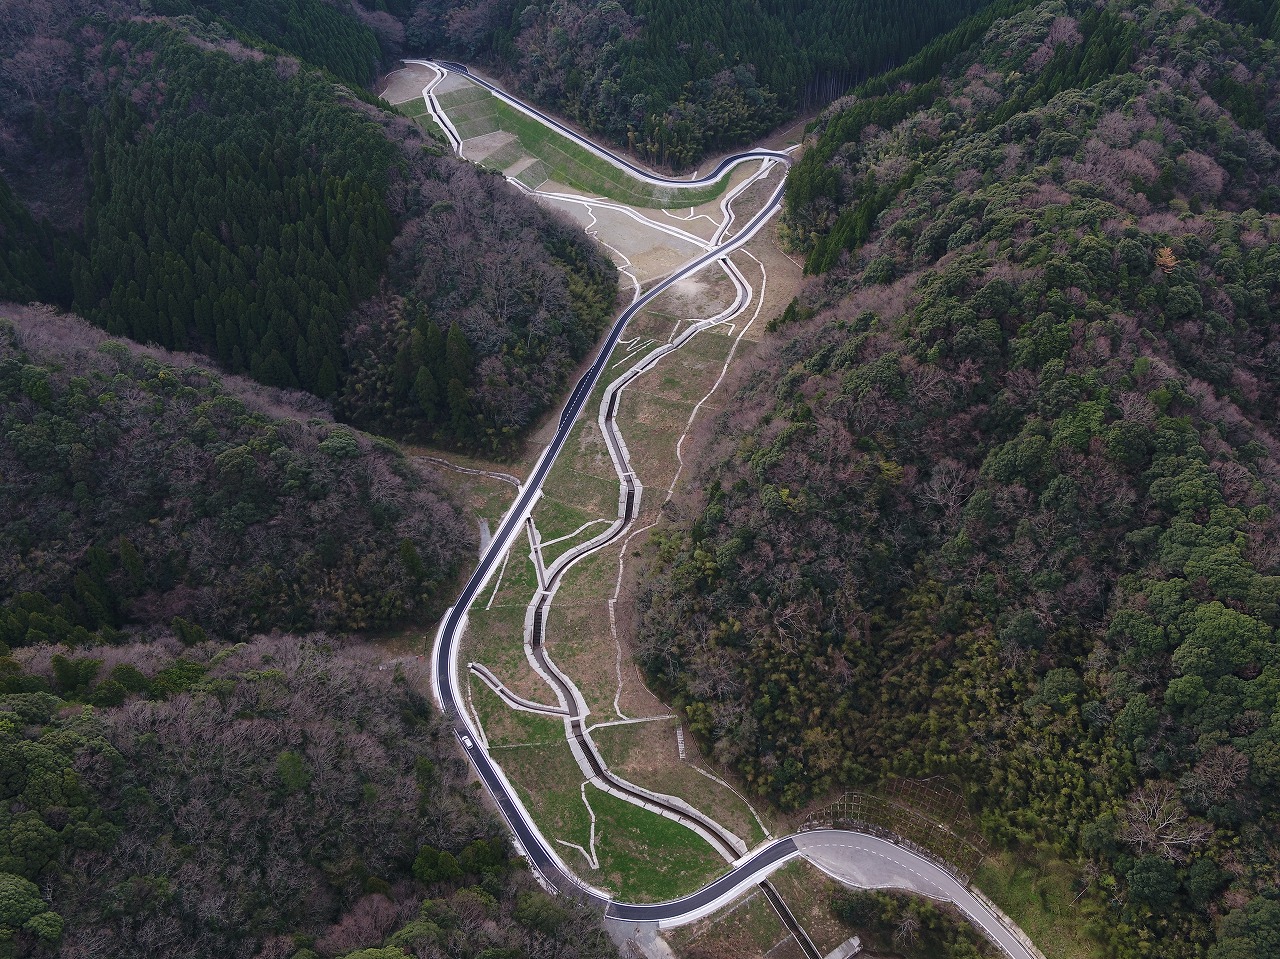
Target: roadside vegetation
642, 857
646, 858
912, 927
1041, 894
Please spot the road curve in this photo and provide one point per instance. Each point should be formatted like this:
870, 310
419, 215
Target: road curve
444, 661
622, 163
758, 864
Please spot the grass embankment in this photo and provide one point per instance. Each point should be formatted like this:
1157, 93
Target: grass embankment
1041, 898
509, 728
563, 526
495, 636
475, 112
416, 110
643, 857
647, 755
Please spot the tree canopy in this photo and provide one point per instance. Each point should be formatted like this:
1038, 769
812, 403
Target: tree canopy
998, 500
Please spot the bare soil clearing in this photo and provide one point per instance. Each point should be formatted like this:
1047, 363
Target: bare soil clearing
646, 253
482, 147
407, 83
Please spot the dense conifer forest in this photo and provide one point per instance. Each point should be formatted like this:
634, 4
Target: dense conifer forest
320, 33
180, 184
998, 502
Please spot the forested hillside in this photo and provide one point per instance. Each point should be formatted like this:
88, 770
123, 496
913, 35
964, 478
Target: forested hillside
998, 501
196, 756
212, 197
138, 490
327, 35
675, 80
280, 799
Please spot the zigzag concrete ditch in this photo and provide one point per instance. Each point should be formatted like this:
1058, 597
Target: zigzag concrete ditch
866, 853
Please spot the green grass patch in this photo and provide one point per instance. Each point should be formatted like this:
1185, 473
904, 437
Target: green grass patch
643, 857
504, 726
497, 499
585, 455
416, 110
495, 638
518, 583
1040, 897
506, 156
646, 858
652, 426
596, 497
534, 175
589, 582
475, 112
467, 93
549, 783
468, 129
555, 518
570, 164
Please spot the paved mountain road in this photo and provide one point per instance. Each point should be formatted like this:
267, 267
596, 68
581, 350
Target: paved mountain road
852, 856
640, 173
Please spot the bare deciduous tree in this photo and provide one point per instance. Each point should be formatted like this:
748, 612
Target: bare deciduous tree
1155, 821
908, 930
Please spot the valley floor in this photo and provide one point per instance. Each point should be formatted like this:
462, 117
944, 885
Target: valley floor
549, 639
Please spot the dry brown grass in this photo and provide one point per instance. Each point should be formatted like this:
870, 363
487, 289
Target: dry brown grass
809, 891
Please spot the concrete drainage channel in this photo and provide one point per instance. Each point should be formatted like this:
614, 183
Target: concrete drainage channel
630, 493
862, 861
588, 756
789, 920
725, 842
573, 708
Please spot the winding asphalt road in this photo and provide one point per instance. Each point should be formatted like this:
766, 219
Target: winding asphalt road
444, 665
640, 173
757, 865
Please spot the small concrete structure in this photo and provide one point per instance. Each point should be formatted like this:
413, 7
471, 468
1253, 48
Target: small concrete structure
638, 940
850, 947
